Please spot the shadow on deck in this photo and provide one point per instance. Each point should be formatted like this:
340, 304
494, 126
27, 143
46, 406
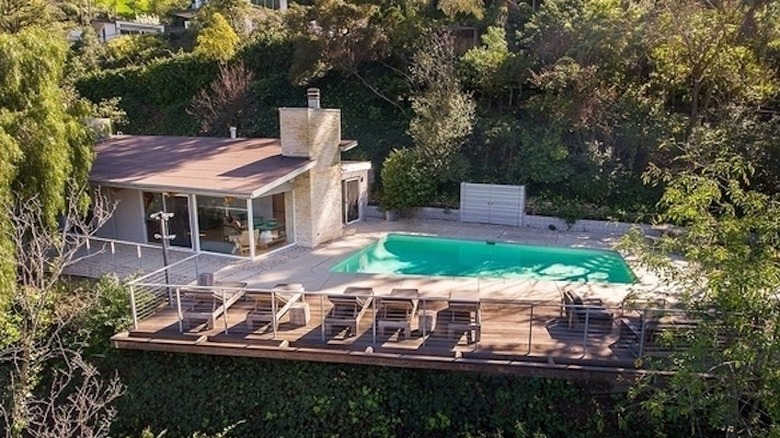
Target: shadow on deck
514, 338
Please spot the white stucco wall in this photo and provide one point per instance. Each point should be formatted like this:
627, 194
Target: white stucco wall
129, 215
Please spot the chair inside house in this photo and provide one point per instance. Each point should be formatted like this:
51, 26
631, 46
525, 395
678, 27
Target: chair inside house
269, 307
243, 241
397, 311
348, 309
465, 315
198, 305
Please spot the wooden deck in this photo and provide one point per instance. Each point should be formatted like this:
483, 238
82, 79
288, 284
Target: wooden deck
534, 340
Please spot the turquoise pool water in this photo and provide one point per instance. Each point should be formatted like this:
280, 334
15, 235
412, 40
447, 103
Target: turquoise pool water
417, 255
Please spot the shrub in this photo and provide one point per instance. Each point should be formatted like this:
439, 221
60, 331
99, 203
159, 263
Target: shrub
405, 181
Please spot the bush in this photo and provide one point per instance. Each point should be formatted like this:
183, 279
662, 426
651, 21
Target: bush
291, 398
405, 181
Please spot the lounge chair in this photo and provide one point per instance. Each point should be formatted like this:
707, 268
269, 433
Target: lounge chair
465, 315
397, 310
197, 305
578, 311
348, 309
269, 311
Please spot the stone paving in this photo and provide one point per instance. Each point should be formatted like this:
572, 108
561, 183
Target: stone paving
311, 266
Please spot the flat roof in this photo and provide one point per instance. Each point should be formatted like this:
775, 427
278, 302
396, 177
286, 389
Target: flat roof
242, 167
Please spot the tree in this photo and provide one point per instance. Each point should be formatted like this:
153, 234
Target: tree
216, 39
42, 124
225, 102
444, 113
701, 55
41, 310
16, 15
726, 368
237, 12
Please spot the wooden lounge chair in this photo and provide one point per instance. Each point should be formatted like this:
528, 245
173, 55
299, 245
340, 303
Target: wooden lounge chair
198, 305
348, 309
578, 311
265, 311
397, 311
465, 315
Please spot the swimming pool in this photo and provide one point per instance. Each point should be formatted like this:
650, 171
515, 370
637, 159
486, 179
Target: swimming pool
403, 254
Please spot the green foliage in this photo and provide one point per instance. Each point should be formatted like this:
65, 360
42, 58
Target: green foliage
406, 182
216, 40
154, 95
16, 15
443, 113
107, 315
485, 64
128, 50
726, 376
41, 127
294, 398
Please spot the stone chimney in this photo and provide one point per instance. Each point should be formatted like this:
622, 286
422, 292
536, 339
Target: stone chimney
314, 133
311, 132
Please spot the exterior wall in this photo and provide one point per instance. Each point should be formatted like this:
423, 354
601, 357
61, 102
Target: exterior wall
362, 176
315, 133
127, 222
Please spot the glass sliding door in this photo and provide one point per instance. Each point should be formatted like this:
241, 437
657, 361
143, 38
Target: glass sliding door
351, 200
178, 225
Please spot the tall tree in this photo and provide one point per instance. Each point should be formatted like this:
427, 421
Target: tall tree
16, 15
702, 56
216, 39
726, 367
40, 121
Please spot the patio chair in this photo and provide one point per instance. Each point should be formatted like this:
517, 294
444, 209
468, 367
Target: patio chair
348, 309
285, 295
198, 305
397, 310
465, 315
578, 311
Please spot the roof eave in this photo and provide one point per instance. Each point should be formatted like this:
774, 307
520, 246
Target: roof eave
352, 144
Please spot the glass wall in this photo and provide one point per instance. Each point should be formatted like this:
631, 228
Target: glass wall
178, 225
222, 223
271, 221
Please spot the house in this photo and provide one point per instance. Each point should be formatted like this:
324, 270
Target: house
235, 196
108, 30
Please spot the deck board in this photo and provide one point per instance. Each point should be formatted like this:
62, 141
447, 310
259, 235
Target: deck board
504, 344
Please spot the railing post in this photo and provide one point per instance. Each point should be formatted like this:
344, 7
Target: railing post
642, 334
322, 317
530, 328
133, 308
224, 311
274, 321
113, 254
373, 317
424, 320
585, 332
178, 308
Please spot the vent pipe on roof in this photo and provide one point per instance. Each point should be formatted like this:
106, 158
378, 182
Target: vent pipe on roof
313, 96
233, 132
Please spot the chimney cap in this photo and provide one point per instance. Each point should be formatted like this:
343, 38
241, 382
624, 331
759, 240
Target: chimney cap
313, 97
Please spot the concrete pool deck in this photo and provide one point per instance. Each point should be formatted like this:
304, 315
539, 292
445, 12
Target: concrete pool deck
311, 267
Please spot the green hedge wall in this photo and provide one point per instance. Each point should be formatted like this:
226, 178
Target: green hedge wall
187, 393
